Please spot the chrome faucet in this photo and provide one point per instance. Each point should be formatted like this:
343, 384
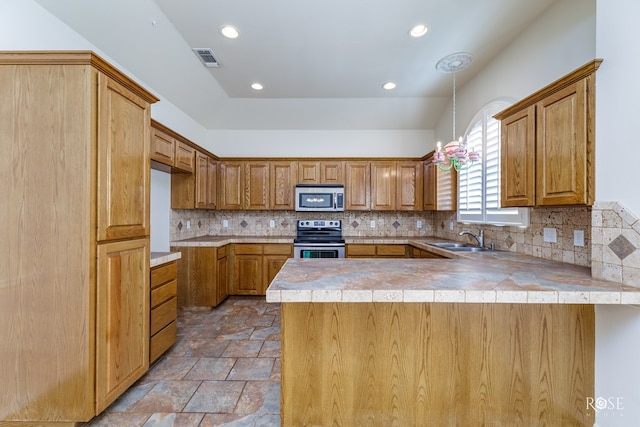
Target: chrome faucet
479, 237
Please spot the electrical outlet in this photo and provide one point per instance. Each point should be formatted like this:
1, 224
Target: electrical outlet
419, 224
550, 235
188, 224
372, 224
272, 223
578, 237
225, 223
450, 225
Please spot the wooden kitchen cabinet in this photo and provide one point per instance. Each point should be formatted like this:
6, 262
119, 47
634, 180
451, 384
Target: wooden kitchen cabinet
231, 185
222, 270
162, 147
74, 276
164, 305
282, 181
547, 145
321, 172
255, 266
274, 257
396, 185
184, 157
357, 187
421, 253
440, 188
197, 276
122, 320
376, 251
256, 179
196, 190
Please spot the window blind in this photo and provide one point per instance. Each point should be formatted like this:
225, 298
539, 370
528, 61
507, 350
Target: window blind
479, 186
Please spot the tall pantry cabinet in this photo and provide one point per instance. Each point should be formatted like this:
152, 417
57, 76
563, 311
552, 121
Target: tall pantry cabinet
74, 258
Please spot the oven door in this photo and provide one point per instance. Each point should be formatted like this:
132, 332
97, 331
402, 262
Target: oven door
318, 250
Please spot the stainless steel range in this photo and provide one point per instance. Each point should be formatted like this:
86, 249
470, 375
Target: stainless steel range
319, 239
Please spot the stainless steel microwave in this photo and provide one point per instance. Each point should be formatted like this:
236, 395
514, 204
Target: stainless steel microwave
319, 198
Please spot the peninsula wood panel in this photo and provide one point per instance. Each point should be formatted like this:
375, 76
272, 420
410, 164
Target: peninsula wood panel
437, 364
518, 159
196, 276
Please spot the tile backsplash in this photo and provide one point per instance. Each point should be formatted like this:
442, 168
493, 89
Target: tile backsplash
186, 224
529, 240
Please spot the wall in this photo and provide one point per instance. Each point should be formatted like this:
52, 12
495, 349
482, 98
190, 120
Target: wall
617, 208
161, 208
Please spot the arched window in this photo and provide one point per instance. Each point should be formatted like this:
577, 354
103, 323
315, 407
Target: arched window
479, 186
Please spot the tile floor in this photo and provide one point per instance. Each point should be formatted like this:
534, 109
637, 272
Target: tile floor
224, 370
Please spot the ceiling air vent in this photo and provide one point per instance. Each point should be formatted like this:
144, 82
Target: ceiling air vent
206, 56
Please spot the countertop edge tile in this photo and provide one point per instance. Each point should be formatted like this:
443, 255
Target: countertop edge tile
159, 258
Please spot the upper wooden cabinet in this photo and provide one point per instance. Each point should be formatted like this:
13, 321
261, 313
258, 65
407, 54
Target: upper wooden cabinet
168, 152
281, 184
256, 181
439, 187
231, 185
547, 147
321, 172
357, 188
197, 190
396, 185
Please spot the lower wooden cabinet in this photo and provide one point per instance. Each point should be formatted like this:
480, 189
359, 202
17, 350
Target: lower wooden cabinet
202, 276
122, 323
376, 251
164, 306
255, 266
421, 253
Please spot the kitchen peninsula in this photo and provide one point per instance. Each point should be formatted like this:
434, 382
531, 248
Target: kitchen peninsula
492, 338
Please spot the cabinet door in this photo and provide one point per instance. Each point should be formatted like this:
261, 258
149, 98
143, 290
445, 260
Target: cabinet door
201, 181
332, 172
256, 185
562, 149
230, 186
184, 157
162, 147
383, 185
247, 274
408, 186
272, 265
222, 270
429, 185
518, 159
281, 183
122, 318
357, 186
123, 162
308, 172
212, 184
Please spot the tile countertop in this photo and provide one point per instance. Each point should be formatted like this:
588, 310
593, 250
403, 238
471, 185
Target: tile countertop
479, 277
159, 258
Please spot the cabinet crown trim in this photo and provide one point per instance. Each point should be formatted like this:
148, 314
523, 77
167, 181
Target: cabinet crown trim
569, 79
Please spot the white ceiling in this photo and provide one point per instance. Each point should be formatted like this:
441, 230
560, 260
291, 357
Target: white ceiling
322, 62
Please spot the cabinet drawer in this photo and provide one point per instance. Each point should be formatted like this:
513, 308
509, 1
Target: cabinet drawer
164, 314
248, 249
391, 250
164, 293
277, 249
162, 341
163, 274
361, 250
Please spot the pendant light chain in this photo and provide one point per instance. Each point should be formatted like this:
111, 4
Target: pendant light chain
454, 107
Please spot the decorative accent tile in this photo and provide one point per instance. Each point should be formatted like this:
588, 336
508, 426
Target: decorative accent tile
244, 224
284, 224
622, 247
509, 241
180, 226
396, 224
199, 224
355, 224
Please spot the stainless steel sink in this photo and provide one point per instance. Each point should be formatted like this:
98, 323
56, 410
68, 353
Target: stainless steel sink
449, 245
458, 247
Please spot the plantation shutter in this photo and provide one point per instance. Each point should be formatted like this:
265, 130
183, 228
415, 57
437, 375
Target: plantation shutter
479, 186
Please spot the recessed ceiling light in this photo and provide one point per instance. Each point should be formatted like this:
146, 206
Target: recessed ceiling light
229, 32
256, 86
419, 30
389, 86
